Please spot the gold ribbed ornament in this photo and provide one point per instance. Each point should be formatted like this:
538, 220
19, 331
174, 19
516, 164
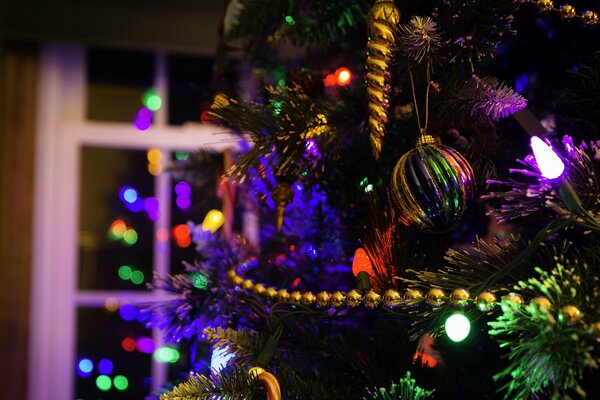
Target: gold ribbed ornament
238, 280
383, 20
431, 186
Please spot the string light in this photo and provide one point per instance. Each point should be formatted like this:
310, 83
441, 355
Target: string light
457, 327
103, 383
151, 100
121, 382
105, 366
128, 344
548, 162
166, 355
213, 220
85, 366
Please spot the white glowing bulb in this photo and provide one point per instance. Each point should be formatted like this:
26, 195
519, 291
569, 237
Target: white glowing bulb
548, 162
457, 327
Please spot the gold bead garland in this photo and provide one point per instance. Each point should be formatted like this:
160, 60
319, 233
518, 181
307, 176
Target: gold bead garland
567, 12
539, 307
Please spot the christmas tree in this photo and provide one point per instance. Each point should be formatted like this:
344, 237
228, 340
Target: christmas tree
422, 234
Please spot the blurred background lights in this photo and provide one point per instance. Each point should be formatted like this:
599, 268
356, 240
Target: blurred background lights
128, 194
183, 188
143, 119
183, 202
199, 280
137, 277
145, 345
219, 358
121, 382
85, 366
130, 236
343, 76
213, 220
105, 366
125, 272
111, 304
182, 155
166, 355
181, 233
151, 100
154, 156
117, 229
457, 327
103, 382
128, 344
127, 312
162, 234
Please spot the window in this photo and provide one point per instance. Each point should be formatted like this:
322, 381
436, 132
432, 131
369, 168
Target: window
105, 217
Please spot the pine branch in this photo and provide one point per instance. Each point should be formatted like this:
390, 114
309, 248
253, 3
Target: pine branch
405, 389
229, 384
420, 38
243, 344
548, 352
482, 97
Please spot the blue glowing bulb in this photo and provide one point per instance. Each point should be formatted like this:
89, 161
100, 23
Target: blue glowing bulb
85, 365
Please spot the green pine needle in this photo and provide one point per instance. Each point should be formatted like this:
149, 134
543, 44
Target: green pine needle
405, 389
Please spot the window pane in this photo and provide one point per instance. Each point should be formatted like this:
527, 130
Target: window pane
189, 87
193, 195
113, 355
117, 81
116, 213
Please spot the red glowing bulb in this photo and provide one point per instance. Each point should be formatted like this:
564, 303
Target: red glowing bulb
361, 262
343, 76
330, 80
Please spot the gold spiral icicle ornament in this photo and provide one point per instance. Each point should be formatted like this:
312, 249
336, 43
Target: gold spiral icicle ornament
383, 21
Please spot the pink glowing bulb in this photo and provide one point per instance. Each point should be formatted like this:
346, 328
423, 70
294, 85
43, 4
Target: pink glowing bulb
548, 162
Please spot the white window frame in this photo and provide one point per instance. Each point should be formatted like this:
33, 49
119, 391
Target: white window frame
61, 132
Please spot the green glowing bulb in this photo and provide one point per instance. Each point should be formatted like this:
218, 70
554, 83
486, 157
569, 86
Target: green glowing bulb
290, 20
137, 277
457, 327
103, 382
125, 272
368, 188
151, 100
121, 382
130, 236
166, 355
182, 155
199, 280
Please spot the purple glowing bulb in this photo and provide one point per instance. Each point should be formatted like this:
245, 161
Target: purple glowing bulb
548, 162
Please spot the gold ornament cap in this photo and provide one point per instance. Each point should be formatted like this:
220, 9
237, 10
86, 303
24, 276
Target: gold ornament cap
271, 293
259, 288
248, 284
567, 11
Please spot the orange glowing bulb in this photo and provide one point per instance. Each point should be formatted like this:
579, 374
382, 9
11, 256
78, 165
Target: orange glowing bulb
343, 76
361, 262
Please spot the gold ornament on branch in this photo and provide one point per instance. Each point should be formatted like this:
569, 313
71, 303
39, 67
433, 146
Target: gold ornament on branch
282, 196
383, 22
